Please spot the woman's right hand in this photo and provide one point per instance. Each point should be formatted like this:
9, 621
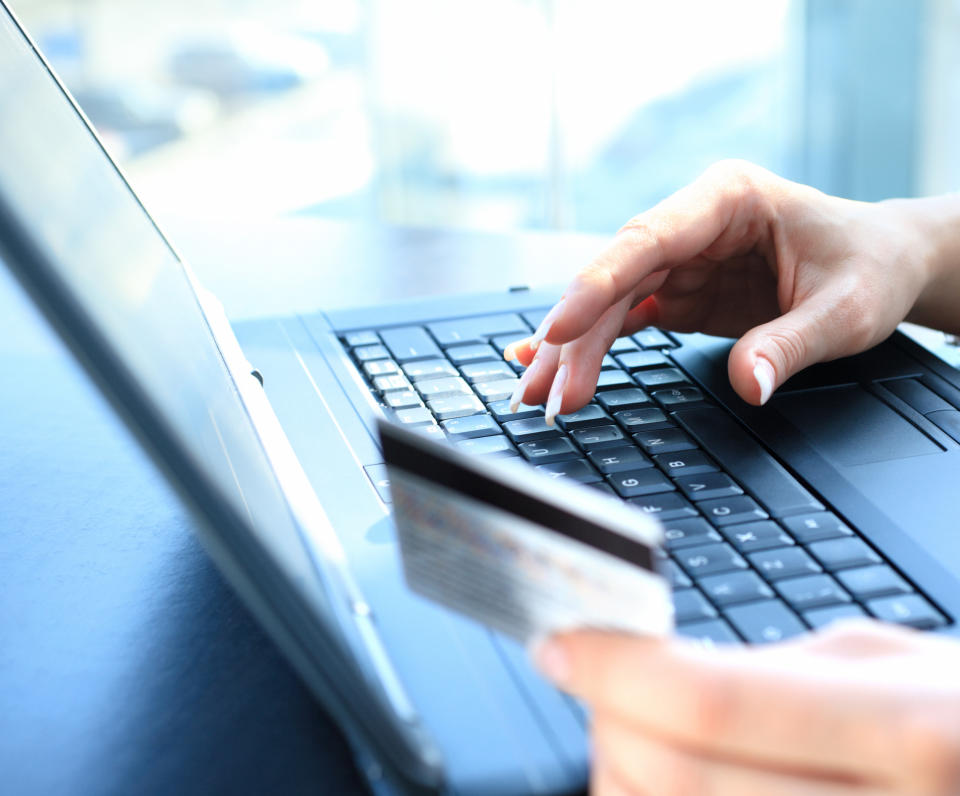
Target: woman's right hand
798, 276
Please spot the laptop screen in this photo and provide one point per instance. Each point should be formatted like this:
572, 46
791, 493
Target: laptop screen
65, 195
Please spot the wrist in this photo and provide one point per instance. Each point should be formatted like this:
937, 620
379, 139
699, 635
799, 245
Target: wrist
936, 223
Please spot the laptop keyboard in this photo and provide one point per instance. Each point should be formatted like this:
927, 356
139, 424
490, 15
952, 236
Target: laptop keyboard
752, 555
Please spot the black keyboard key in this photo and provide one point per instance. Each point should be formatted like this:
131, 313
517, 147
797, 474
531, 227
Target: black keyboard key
443, 388
668, 440
677, 397
821, 617
677, 577
432, 431
786, 562
395, 381
500, 390
544, 451
577, 469
765, 622
628, 398
658, 379
815, 526
463, 354
478, 329
402, 399
354, 339
415, 416
410, 342
486, 371
685, 463
424, 369
643, 360
470, 426
636, 483
497, 445
876, 581
653, 338
687, 533
455, 406
636, 420
590, 415
730, 588
502, 413
623, 344
689, 605
664, 506
535, 317
743, 458
603, 486
530, 429
836, 554
500, 342
708, 486
609, 363
597, 437
613, 380
907, 609
618, 460
367, 353
710, 632
380, 367
732, 510
752, 536
812, 591
709, 559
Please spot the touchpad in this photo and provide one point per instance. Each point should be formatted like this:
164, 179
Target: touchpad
848, 425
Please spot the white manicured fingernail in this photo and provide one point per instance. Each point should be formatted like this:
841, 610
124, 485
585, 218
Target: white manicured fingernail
764, 374
510, 352
544, 328
556, 395
521, 387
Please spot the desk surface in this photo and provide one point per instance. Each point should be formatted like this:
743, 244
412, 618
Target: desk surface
126, 664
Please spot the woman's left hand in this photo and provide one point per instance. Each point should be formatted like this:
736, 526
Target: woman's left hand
859, 709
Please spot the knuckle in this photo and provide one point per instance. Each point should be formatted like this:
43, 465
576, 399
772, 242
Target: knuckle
852, 315
597, 279
715, 704
732, 174
791, 349
638, 233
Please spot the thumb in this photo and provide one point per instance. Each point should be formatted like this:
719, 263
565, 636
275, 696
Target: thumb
767, 355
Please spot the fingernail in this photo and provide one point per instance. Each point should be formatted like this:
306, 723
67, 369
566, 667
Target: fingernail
544, 328
521, 387
510, 352
551, 660
556, 395
764, 374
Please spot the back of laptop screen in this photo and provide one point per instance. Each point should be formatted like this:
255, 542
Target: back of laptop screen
103, 248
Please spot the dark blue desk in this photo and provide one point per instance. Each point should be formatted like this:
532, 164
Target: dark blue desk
126, 664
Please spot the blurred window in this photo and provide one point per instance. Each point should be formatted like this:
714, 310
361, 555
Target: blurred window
507, 113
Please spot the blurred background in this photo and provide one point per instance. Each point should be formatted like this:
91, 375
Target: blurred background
505, 114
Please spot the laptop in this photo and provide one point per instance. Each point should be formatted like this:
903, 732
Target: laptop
837, 499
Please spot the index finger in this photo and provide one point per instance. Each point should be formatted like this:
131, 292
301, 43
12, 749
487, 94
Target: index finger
673, 232
772, 709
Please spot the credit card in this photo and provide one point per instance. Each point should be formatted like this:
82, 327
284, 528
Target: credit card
517, 550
